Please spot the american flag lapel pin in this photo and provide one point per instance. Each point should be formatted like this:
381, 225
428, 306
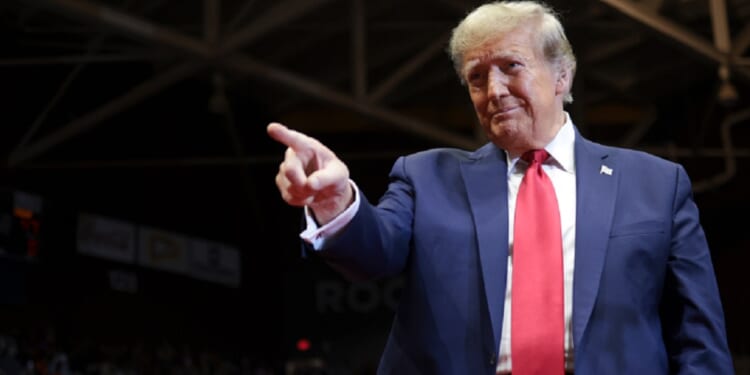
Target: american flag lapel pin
605, 170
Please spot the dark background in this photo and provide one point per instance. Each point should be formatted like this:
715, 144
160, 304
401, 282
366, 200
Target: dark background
154, 112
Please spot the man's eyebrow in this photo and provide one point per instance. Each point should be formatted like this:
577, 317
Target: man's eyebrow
470, 65
489, 57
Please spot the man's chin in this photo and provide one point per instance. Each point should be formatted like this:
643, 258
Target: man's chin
500, 125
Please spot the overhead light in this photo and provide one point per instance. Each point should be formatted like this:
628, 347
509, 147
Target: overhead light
727, 93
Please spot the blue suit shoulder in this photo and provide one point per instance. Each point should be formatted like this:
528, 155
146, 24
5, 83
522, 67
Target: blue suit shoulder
629, 157
448, 154
439, 154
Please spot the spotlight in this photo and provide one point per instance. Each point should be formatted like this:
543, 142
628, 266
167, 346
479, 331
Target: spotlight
727, 94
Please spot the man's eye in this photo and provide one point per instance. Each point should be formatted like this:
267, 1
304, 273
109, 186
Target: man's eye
475, 77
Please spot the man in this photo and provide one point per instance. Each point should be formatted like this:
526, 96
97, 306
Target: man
636, 291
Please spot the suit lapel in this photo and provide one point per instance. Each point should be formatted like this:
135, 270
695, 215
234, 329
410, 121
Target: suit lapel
485, 178
596, 185
487, 189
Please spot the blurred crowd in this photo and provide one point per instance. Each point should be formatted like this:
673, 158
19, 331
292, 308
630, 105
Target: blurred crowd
40, 353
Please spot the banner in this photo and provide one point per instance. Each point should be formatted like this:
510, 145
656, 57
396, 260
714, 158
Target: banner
215, 262
163, 250
155, 248
106, 238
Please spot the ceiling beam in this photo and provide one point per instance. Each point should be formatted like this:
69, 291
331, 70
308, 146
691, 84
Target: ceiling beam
124, 23
612, 49
679, 34
730, 153
101, 58
238, 16
653, 5
197, 48
143, 90
275, 75
408, 68
211, 20
720, 26
279, 15
741, 42
668, 28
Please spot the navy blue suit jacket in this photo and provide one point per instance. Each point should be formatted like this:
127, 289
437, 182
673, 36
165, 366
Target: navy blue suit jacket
645, 296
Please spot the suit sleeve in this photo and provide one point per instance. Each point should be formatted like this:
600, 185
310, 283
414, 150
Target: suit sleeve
376, 242
692, 313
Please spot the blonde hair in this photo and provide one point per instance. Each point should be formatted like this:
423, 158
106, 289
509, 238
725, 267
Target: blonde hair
492, 19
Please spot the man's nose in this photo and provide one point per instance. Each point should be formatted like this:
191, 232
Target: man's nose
497, 83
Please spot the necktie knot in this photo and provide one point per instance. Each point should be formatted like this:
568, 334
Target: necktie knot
535, 156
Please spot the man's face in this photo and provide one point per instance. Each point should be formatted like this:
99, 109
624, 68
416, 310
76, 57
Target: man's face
517, 95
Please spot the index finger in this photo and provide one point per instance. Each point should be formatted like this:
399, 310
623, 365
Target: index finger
288, 137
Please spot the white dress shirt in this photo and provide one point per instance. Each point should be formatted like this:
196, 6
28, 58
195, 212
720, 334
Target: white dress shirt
560, 168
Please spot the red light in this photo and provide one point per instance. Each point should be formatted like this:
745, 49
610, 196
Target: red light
23, 213
303, 345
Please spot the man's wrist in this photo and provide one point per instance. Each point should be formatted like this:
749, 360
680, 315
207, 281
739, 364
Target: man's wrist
324, 212
316, 234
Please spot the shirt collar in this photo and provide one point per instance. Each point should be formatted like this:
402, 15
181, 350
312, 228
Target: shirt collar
561, 148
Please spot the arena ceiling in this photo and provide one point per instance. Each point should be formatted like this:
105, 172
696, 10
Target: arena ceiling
132, 87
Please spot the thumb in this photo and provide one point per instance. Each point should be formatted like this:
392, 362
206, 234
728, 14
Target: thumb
330, 176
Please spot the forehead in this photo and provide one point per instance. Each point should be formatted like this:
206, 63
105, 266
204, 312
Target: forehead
518, 43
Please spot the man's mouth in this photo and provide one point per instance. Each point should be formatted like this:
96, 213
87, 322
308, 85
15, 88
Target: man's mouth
502, 112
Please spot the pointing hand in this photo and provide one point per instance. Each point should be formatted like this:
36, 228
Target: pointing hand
311, 174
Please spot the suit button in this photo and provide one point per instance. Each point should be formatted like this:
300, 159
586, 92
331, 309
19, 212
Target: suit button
493, 359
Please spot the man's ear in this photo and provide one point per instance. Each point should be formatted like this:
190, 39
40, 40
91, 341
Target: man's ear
563, 81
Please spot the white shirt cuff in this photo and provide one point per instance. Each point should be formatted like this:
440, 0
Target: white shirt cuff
317, 236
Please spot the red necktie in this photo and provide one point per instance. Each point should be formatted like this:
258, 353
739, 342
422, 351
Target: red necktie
537, 325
